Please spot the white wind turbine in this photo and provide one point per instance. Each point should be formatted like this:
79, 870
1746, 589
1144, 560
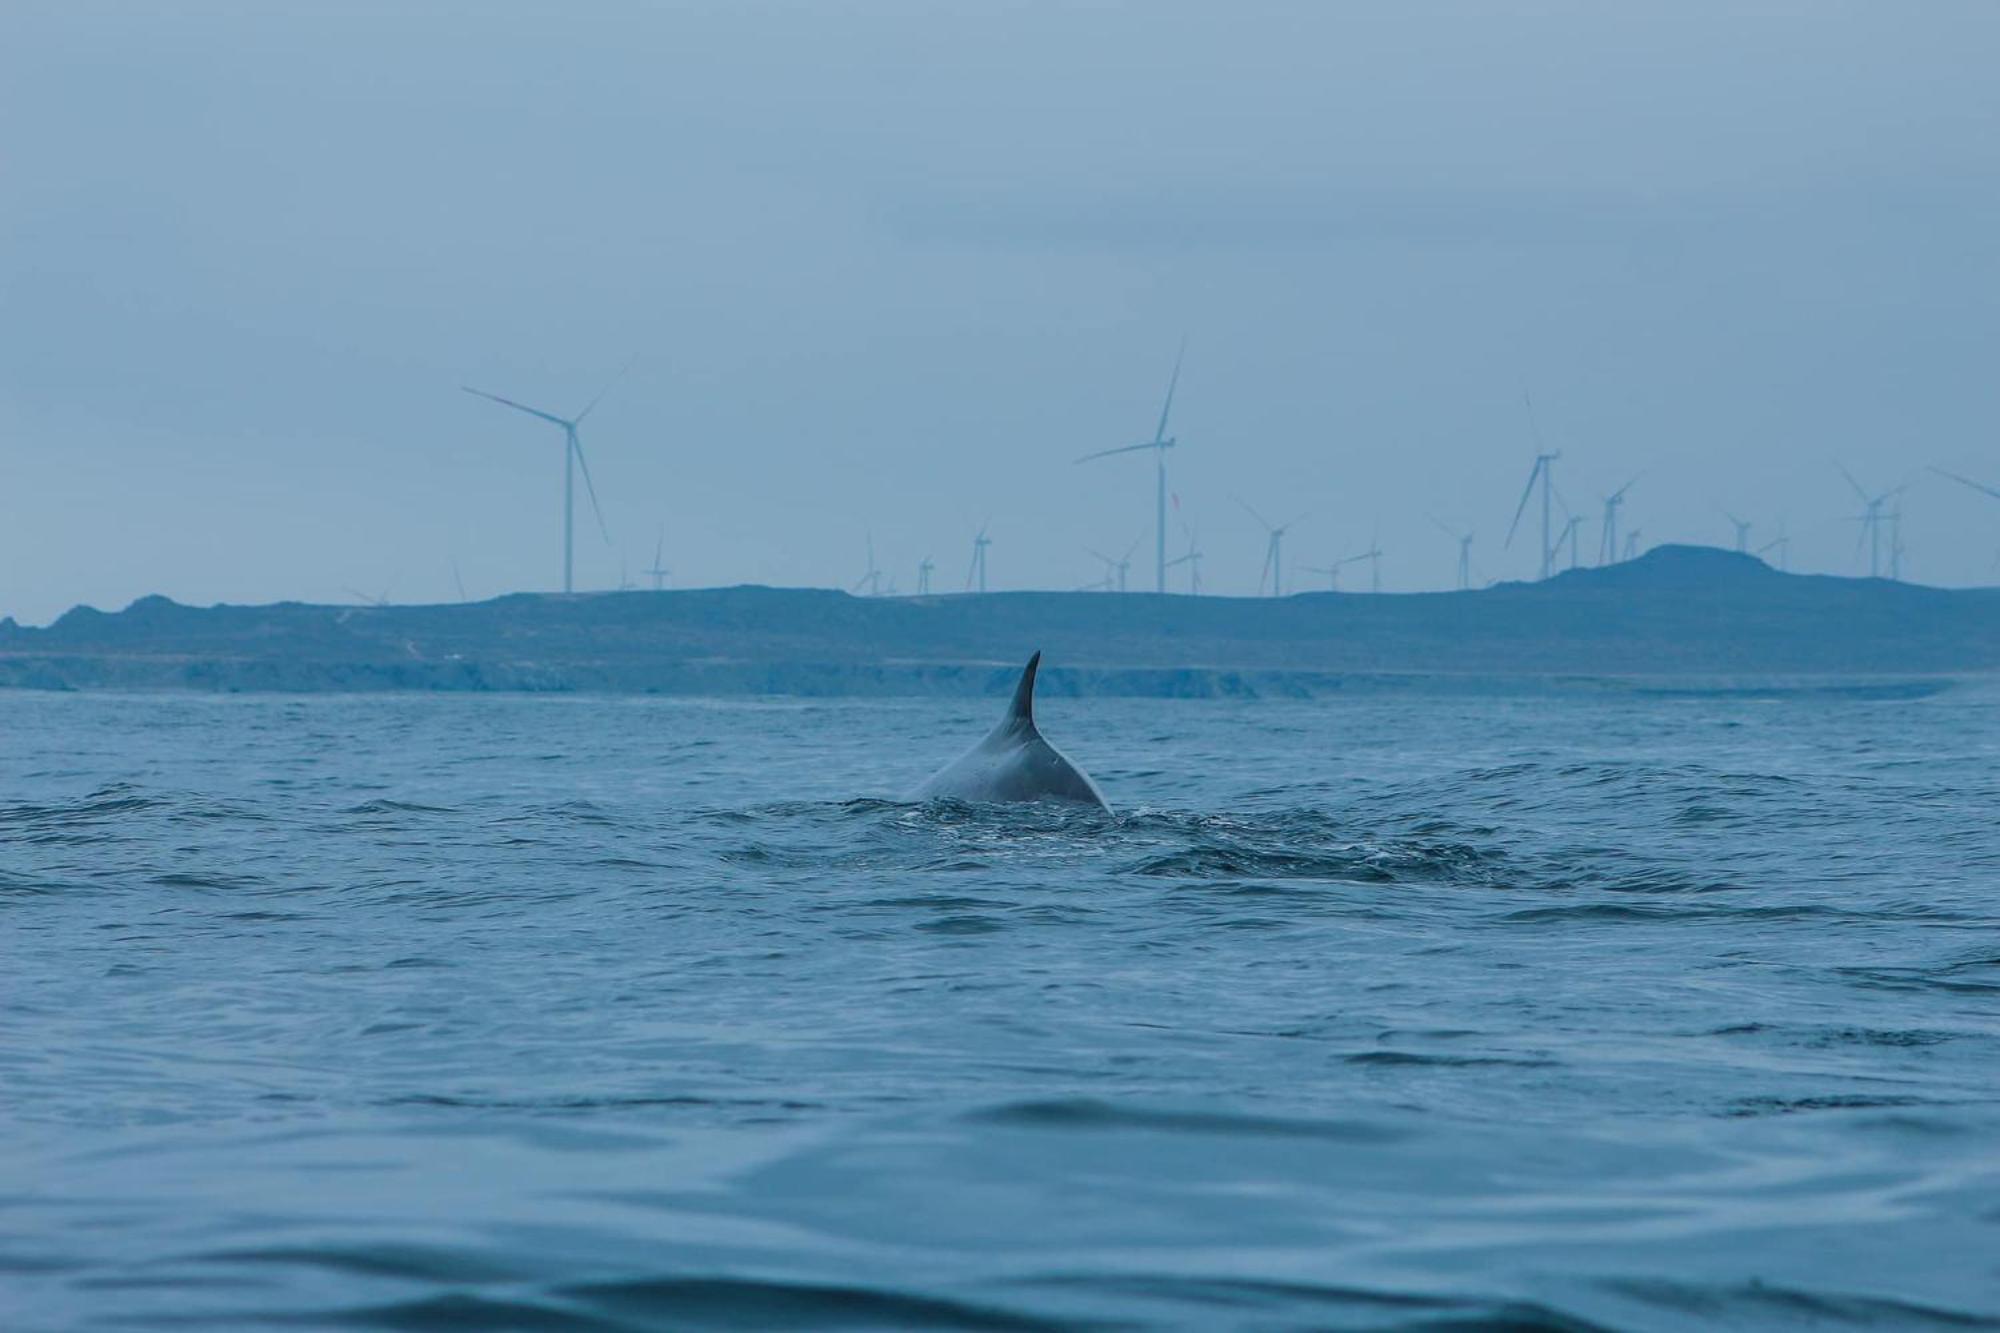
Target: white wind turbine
1273, 572
573, 460
977, 573
1464, 540
1871, 521
659, 571
1118, 566
1742, 527
1607, 542
924, 568
1159, 444
872, 580
1192, 559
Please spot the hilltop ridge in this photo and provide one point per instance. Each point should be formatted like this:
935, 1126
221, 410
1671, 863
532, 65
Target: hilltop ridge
1677, 610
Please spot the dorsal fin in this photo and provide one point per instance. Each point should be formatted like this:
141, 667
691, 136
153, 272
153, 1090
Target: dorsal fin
1021, 713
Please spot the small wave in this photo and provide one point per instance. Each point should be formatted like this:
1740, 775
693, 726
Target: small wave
1085, 1113
1769, 1304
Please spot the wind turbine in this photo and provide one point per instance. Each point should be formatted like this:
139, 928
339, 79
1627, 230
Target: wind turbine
924, 568
457, 579
1373, 555
1192, 559
1542, 471
1159, 444
1742, 532
1871, 522
1607, 543
1274, 565
659, 571
363, 599
978, 570
872, 580
1568, 533
1332, 571
1464, 540
1782, 544
1120, 565
572, 461
1632, 544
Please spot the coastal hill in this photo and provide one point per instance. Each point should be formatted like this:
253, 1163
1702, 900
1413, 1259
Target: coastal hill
1678, 612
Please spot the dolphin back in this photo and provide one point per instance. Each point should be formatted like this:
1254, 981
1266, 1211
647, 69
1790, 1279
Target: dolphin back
1014, 762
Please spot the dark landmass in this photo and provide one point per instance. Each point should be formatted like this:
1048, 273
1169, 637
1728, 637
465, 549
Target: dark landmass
1680, 618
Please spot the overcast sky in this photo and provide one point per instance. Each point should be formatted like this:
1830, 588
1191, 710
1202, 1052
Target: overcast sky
888, 268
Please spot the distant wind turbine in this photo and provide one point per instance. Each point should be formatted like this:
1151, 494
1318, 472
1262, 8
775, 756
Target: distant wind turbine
1871, 522
1607, 543
1332, 570
572, 461
1742, 532
872, 580
1782, 544
1543, 471
460, 582
1274, 549
1373, 555
977, 573
1464, 540
1192, 559
1632, 544
1118, 566
659, 571
1159, 444
924, 568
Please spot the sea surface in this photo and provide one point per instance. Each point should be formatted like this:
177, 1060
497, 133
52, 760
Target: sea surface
1569, 1011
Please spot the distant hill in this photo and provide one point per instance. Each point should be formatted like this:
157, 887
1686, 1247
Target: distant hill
1677, 612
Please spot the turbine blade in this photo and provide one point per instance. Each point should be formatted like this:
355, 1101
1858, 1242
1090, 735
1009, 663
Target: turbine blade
518, 407
1967, 481
1855, 484
1253, 513
589, 487
1123, 449
607, 388
1534, 473
1160, 434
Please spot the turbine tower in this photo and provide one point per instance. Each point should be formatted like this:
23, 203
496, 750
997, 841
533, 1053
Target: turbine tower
1607, 544
1632, 544
977, 573
573, 460
924, 568
1742, 532
1542, 472
1274, 550
1159, 444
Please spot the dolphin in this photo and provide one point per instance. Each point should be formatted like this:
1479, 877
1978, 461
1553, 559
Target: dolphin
1013, 763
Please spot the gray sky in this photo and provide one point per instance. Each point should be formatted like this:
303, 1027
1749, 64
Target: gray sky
890, 267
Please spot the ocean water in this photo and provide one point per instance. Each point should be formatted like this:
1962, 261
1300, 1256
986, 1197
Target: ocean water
1403, 1011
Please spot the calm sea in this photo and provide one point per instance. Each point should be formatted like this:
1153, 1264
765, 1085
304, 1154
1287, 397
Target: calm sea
1384, 1012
